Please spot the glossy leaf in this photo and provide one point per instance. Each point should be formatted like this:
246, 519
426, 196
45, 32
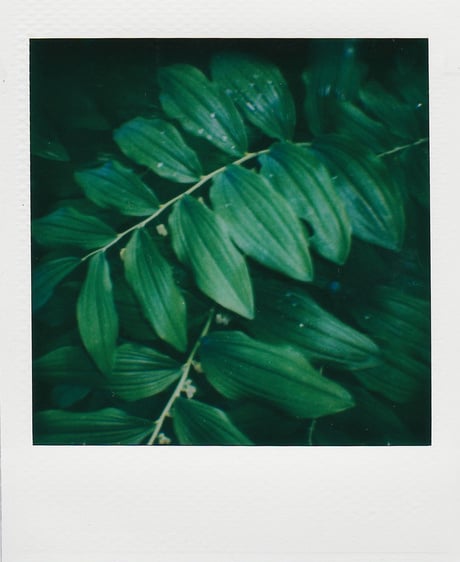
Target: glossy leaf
289, 315
196, 423
47, 276
240, 367
140, 372
112, 186
96, 314
68, 227
261, 222
259, 89
201, 241
300, 176
201, 108
372, 200
109, 426
151, 278
159, 145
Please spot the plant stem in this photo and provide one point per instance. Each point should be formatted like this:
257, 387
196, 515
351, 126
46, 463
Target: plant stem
403, 147
190, 190
206, 178
186, 369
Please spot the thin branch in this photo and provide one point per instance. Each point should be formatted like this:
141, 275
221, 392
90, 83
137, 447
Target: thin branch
186, 370
403, 147
168, 204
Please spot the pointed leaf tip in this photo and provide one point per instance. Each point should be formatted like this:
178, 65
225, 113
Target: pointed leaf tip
240, 367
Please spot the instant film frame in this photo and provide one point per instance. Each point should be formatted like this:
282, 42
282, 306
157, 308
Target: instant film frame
310, 502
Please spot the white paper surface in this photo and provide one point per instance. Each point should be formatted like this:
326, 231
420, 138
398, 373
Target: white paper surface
113, 504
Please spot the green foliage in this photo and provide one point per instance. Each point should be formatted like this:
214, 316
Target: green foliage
281, 296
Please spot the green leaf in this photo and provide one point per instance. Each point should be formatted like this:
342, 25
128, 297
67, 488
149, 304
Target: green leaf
140, 372
352, 121
261, 222
66, 395
69, 227
287, 315
334, 75
109, 426
44, 141
196, 423
47, 276
112, 186
201, 241
372, 200
240, 367
96, 314
259, 89
67, 365
299, 175
398, 319
133, 324
398, 117
400, 378
158, 145
201, 108
151, 278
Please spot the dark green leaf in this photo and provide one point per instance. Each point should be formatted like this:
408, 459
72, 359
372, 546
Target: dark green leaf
112, 186
66, 395
69, 227
140, 372
400, 378
290, 316
151, 279
96, 314
158, 144
201, 108
371, 422
334, 76
240, 367
196, 423
261, 222
373, 202
397, 116
201, 241
400, 320
109, 426
47, 275
133, 324
67, 365
351, 120
260, 91
44, 141
299, 175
